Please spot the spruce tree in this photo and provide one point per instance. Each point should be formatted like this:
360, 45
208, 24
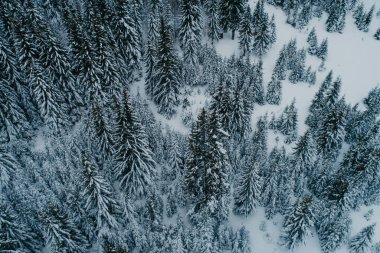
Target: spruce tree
361, 242
213, 27
60, 231
323, 50
166, 89
230, 15
262, 29
190, 31
134, 165
274, 92
245, 32
98, 194
313, 42
15, 236
337, 16
127, 34
298, 222
377, 34
248, 191
256, 83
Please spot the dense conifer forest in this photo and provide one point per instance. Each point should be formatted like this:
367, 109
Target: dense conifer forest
91, 159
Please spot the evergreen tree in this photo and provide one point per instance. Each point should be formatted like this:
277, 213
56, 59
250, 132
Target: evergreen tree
60, 232
213, 27
134, 166
323, 50
313, 42
8, 166
331, 135
46, 99
288, 121
190, 31
102, 132
127, 34
274, 92
337, 16
247, 193
241, 244
230, 14
298, 222
245, 32
98, 196
361, 242
333, 231
377, 34
12, 116
240, 115
281, 65
256, 83
298, 68
166, 89
262, 29
14, 235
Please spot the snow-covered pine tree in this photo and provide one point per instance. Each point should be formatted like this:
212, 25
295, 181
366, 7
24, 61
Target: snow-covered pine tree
262, 30
322, 51
102, 132
60, 231
242, 243
190, 31
167, 77
12, 116
287, 124
331, 135
240, 115
248, 191
377, 34
361, 242
298, 222
134, 165
230, 14
337, 16
274, 91
245, 32
312, 40
127, 35
280, 68
213, 27
195, 160
45, 96
98, 195
216, 188
256, 84
15, 236
298, 68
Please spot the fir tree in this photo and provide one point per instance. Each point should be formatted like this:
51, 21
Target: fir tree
263, 36
98, 196
337, 16
323, 50
190, 31
230, 13
246, 32
134, 166
60, 231
213, 27
377, 34
256, 83
166, 89
313, 42
361, 242
8, 167
127, 34
298, 223
274, 92
331, 135
102, 132
281, 65
247, 193
14, 235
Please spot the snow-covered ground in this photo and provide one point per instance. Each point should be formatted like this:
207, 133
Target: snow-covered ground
353, 55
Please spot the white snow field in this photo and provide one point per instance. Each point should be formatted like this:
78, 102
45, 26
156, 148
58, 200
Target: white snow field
353, 55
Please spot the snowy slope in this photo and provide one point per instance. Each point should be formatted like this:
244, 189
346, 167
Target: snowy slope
353, 55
